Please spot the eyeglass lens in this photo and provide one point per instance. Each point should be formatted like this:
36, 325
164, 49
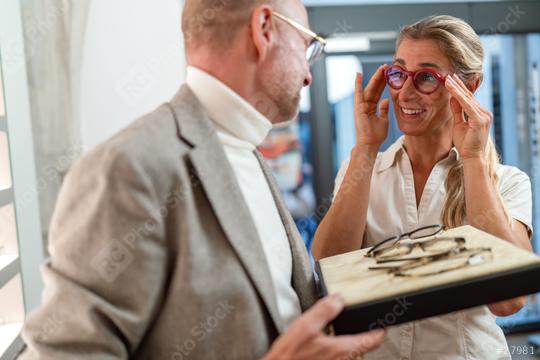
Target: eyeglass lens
422, 232
314, 51
425, 81
425, 232
437, 245
386, 244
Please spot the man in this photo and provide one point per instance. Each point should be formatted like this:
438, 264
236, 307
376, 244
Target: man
170, 240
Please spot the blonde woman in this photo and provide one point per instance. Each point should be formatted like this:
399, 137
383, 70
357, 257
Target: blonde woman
445, 169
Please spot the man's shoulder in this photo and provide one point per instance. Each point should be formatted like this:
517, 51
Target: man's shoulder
150, 144
153, 144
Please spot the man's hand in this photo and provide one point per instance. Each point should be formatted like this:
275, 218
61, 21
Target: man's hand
305, 338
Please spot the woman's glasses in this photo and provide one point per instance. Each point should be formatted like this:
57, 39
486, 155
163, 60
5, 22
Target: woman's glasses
426, 81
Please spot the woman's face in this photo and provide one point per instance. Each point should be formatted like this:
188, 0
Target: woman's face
419, 114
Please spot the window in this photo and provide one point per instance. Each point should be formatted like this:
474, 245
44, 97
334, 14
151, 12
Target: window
21, 250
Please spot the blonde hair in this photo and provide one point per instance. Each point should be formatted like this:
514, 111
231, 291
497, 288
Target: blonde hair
463, 47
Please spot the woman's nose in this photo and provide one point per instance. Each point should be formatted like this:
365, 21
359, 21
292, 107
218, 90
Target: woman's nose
408, 90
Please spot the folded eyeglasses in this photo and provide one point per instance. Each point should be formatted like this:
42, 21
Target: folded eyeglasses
438, 254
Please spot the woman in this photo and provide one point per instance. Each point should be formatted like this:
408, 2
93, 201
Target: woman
444, 169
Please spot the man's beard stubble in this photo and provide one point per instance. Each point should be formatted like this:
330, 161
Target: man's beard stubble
285, 94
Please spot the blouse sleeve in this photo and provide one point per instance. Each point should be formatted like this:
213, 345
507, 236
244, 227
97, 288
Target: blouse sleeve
341, 175
515, 188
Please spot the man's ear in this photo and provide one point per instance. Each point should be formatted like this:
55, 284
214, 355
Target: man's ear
262, 30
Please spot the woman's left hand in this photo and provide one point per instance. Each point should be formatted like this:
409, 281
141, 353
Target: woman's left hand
471, 120
507, 307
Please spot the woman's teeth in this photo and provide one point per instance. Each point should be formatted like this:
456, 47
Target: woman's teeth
412, 111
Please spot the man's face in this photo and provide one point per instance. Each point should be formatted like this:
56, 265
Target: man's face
286, 70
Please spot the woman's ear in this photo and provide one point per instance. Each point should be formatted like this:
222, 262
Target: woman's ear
262, 27
474, 83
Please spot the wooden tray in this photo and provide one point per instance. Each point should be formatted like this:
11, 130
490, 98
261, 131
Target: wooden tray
375, 298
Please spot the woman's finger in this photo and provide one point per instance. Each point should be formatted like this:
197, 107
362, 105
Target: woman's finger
457, 110
463, 99
462, 85
384, 107
470, 95
358, 92
456, 90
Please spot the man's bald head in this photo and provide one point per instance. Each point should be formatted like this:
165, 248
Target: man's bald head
243, 44
215, 23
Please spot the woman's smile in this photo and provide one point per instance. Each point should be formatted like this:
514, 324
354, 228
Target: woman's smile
412, 113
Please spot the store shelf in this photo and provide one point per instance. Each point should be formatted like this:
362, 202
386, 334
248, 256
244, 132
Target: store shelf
9, 267
6, 197
3, 123
10, 340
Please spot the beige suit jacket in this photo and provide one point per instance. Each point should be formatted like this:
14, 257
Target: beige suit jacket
154, 254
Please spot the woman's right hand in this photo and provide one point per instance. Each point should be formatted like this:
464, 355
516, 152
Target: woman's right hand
371, 128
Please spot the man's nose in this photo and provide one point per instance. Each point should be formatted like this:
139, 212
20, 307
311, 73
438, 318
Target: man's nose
308, 79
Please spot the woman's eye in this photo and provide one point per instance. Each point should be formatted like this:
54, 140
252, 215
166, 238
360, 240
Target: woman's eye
395, 75
425, 76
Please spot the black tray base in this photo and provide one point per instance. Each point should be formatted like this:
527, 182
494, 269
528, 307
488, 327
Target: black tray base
434, 301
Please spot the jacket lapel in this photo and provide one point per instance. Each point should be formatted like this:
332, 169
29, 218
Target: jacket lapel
224, 194
303, 281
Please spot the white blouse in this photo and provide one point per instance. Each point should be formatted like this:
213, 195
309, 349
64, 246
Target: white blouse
469, 334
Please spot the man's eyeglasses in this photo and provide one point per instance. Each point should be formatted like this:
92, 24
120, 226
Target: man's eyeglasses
426, 81
317, 44
391, 242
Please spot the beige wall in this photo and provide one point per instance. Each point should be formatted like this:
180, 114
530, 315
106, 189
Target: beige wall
93, 67
133, 61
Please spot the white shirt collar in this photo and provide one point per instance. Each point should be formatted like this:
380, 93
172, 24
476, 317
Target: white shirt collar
230, 112
389, 156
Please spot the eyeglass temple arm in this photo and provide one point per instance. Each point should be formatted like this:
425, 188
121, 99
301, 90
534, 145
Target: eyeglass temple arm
300, 27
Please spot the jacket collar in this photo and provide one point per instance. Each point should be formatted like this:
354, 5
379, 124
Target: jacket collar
224, 194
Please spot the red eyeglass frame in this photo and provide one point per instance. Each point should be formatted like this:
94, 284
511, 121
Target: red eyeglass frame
440, 78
